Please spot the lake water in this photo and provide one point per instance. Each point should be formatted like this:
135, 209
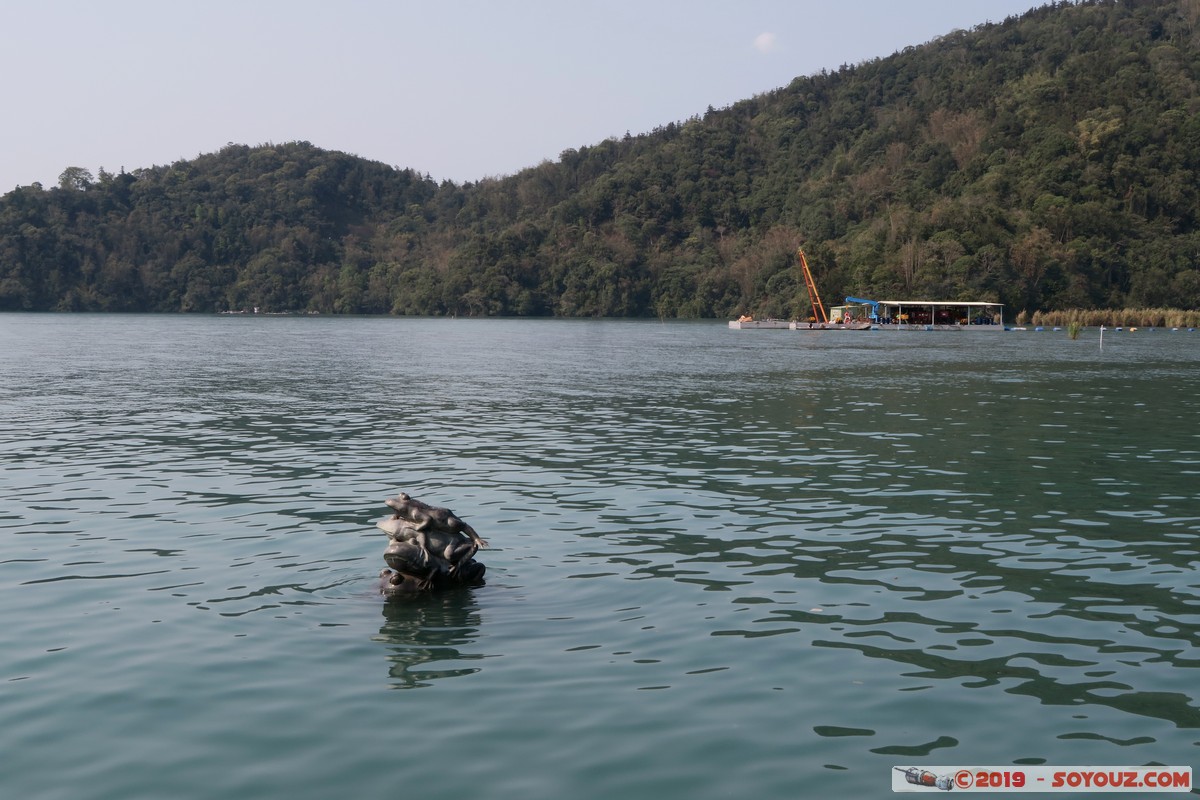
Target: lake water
743, 564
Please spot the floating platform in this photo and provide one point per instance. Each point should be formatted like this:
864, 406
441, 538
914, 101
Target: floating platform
778, 324
831, 326
755, 324
784, 325
895, 326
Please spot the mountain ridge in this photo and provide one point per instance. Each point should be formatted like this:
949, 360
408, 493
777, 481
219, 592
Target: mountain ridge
1047, 161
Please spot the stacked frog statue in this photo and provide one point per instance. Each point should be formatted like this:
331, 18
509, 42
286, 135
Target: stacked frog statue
429, 548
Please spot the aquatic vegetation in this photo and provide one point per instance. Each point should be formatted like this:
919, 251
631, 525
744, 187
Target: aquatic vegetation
1124, 317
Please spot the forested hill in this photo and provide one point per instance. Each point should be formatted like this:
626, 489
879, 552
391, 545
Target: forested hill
1049, 161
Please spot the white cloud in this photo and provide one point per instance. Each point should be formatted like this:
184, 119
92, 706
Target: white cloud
764, 42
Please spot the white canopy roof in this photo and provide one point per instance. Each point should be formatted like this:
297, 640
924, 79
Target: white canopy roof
955, 303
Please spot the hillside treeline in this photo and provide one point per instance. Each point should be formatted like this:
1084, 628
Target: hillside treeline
1047, 161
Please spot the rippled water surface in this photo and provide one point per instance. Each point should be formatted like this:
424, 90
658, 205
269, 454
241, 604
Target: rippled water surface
751, 564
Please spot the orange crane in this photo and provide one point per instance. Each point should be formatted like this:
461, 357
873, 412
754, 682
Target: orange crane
818, 309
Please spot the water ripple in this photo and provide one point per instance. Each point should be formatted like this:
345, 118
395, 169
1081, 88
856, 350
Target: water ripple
698, 543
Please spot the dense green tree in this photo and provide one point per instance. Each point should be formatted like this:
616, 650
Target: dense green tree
76, 178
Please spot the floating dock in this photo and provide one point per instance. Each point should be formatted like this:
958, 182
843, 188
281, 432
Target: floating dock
754, 324
785, 325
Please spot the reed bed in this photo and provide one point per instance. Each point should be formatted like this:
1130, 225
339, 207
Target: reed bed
1112, 318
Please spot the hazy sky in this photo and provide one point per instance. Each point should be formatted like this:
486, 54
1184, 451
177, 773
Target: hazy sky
459, 89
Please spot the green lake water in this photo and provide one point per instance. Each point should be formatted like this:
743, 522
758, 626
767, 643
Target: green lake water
724, 564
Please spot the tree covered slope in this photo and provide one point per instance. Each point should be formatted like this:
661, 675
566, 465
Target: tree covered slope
1049, 161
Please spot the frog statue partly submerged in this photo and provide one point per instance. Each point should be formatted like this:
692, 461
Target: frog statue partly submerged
429, 547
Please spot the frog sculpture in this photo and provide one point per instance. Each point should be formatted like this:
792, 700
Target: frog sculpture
429, 548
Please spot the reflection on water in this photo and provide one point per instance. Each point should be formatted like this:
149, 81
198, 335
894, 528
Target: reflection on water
790, 559
427, 635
